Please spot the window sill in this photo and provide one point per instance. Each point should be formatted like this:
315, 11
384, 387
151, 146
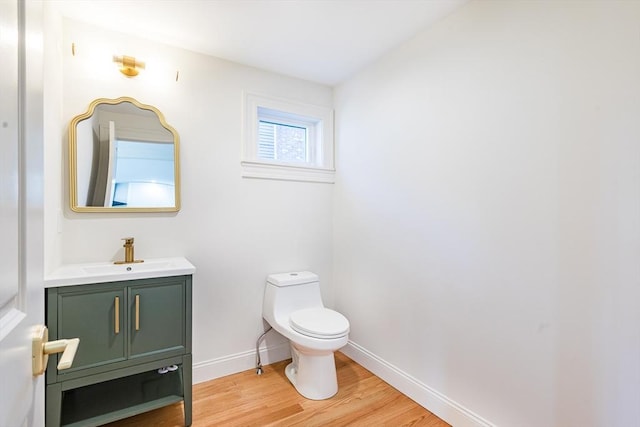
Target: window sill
287, 173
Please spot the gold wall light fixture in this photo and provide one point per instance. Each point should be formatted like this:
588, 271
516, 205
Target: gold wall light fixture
129, 66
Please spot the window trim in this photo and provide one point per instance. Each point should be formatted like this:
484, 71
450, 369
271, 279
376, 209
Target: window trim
319, 122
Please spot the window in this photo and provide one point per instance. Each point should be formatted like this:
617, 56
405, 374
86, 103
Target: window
287, 140
282, 142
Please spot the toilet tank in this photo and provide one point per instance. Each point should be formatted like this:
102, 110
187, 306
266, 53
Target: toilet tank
292, 279
288, 292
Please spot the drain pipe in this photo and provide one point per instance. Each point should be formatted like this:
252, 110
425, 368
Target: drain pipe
258, 363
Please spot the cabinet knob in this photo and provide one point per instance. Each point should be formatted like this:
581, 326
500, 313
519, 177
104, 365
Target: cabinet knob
41, 348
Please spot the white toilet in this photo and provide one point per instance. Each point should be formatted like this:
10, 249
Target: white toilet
293, 307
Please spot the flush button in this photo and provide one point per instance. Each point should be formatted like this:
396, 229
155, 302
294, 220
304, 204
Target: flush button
128, 268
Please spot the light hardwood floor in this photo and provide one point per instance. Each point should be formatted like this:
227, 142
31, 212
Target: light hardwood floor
247, 399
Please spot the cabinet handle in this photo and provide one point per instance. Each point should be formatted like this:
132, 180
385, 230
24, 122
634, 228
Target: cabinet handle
116, 319
137, 312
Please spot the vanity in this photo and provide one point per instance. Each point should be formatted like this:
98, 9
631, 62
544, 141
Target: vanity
134, 326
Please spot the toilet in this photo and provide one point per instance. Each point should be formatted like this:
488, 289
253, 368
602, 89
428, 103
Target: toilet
293, 307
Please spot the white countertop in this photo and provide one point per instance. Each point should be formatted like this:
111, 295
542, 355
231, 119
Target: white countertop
98, 272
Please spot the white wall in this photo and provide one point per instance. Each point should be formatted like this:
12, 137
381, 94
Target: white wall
487, 212
234, 230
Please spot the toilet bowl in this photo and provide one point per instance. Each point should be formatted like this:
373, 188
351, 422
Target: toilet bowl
293, 307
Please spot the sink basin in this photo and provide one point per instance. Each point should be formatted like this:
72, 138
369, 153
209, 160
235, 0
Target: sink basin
128, 268
78, 274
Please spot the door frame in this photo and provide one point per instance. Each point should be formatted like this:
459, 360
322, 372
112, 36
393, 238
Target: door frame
22, 393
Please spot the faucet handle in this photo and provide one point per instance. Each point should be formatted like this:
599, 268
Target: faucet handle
128, 240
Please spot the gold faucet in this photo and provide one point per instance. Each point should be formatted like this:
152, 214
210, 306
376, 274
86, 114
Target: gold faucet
128, 252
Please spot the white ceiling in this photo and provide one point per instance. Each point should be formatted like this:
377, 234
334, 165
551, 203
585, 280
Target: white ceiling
325, 41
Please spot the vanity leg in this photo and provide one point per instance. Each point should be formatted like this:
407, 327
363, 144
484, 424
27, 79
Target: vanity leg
187, 388
53, 405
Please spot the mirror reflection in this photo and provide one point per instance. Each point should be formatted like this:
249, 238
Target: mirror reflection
124, 156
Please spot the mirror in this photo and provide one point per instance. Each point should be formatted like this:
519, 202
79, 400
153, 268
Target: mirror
123, 157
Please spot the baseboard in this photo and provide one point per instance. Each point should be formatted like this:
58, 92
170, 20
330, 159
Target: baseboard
445, 408
234, 363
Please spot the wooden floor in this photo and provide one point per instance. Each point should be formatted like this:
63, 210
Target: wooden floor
247, 399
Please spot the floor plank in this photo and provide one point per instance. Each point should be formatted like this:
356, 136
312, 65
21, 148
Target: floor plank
246, 399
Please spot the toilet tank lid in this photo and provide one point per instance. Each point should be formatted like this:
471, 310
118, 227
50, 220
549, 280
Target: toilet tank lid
293, 278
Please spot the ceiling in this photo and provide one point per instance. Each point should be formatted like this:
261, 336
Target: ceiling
324, 41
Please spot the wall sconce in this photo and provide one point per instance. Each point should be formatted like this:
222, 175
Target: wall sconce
128, 65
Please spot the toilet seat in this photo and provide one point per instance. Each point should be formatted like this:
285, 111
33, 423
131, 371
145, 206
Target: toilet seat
319, 322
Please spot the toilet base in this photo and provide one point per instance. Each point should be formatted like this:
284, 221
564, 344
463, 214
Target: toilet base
313, 375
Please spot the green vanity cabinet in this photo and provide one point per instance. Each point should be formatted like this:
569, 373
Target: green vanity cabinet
128, 330
157, 322
82, 313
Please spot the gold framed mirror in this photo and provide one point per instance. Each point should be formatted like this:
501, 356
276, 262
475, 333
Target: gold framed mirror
123, 157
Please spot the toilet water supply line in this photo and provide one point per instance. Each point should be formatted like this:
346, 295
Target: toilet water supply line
258, 363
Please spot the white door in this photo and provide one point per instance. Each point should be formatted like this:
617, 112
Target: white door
21, 204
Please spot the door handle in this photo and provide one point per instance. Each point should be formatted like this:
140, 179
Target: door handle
41, 348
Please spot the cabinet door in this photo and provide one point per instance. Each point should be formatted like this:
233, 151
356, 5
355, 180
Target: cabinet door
157, 319
97, 318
